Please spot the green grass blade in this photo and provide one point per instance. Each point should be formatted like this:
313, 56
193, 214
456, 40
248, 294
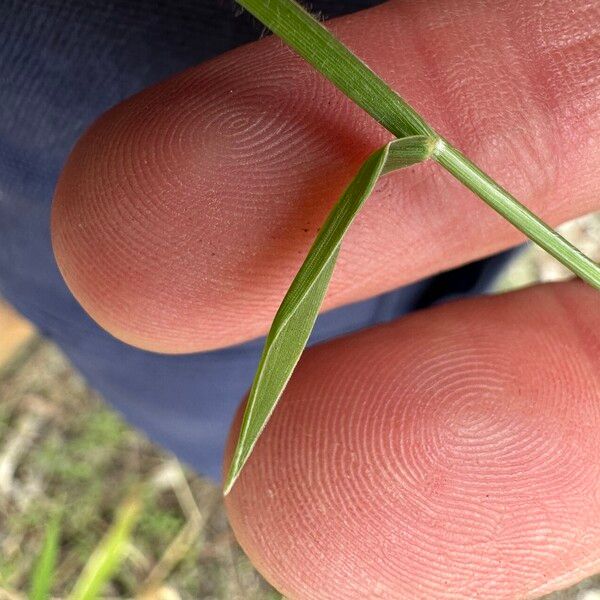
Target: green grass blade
313, 42
296, 316
45, 566
109, 554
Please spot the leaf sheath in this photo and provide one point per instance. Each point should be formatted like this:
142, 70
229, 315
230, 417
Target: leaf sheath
313, 42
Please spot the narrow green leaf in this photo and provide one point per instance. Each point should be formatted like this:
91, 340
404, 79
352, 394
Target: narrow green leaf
45, 566
108, 555
297, 314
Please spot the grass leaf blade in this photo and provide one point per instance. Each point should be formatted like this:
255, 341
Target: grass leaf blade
45, 566
296, 316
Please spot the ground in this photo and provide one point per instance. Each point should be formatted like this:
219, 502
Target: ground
60, 446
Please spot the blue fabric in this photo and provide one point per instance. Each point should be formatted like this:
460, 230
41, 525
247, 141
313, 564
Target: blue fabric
62, 63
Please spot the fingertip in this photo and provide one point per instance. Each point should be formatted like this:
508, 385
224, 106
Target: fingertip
433, 456
175, 210
182, 216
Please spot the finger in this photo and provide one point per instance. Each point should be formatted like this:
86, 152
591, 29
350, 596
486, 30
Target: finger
452, 452
183, 214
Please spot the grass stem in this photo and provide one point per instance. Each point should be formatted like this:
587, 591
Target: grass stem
513, 211
317, 45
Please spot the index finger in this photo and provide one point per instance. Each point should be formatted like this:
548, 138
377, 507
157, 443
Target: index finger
183, 214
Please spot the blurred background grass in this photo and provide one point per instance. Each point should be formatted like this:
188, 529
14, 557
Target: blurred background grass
63, 451
64, 455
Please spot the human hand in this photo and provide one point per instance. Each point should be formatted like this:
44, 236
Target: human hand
451, 452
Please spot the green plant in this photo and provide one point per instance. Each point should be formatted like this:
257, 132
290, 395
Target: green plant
109, 554
45, 566
295, 318
103, 563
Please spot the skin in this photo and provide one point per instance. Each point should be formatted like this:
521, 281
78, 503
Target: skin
453, 453
436, 457
184, 213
